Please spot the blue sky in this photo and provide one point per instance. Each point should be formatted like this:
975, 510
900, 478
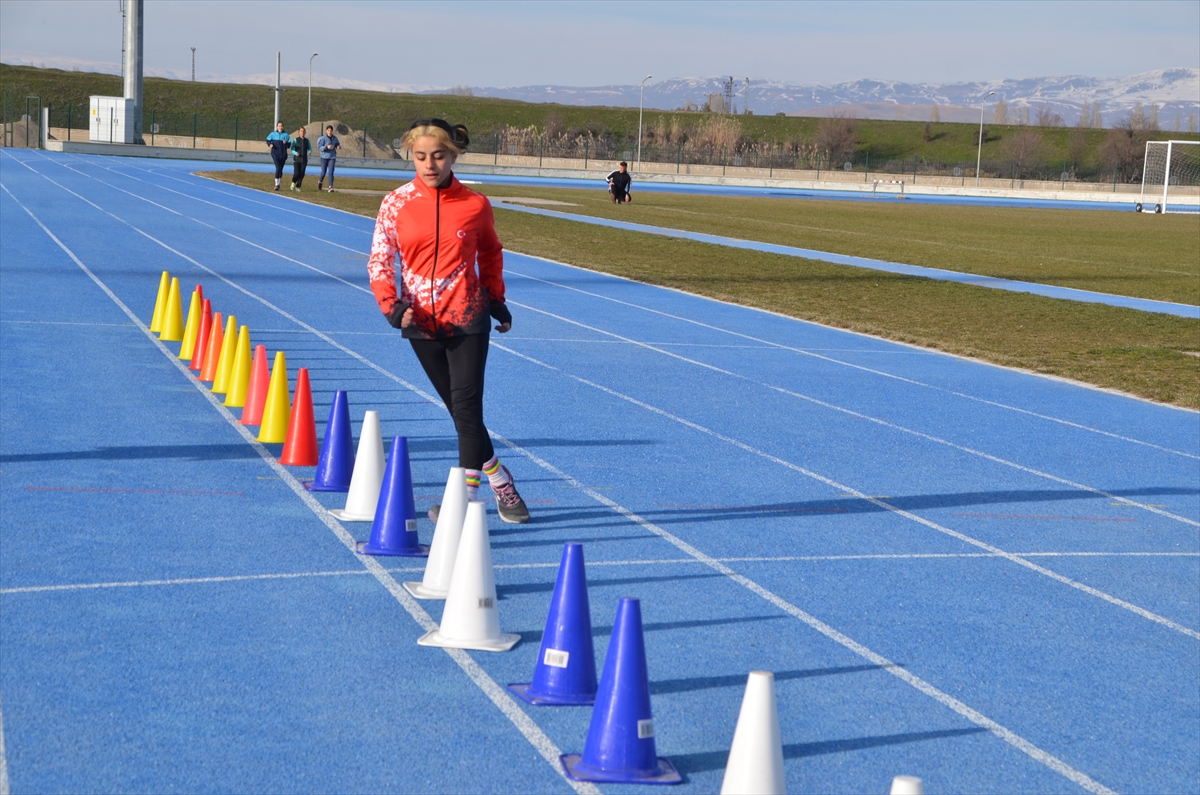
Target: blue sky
596, 43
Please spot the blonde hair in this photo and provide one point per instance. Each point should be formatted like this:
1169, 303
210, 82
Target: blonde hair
453, 138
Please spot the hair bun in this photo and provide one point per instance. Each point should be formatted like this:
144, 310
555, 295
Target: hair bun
459, 136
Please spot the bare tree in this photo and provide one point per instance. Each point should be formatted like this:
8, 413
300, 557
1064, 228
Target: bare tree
1085, 117
1097, 119
1191, 123
1000, 114
1137, 117
1022, 148
935, 115
1152, 117
837, 135
1048, 118
1124, 149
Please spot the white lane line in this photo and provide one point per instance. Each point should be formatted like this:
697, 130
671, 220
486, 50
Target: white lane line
4, 785
957, 706
496, 694
812, 353
1166, 622
88, 586
208, 226
869, 418
218, 206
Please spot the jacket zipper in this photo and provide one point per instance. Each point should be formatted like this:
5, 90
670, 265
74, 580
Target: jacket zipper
437, 241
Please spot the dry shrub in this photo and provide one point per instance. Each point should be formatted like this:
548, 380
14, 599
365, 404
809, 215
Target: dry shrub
717, 132
837, 136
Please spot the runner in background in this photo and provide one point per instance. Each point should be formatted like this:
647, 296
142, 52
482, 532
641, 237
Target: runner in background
278, 143
300, 150
327, 145
619, 182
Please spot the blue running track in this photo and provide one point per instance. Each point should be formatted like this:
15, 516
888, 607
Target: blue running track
981, 577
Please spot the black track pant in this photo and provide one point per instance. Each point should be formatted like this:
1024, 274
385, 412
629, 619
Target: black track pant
280, 162
298, 167
455, 367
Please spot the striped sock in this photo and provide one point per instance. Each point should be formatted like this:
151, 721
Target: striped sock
473, 478
497, 475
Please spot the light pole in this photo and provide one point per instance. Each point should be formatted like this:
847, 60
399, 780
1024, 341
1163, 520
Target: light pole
314, 55
641, 97
193, 64
979, 152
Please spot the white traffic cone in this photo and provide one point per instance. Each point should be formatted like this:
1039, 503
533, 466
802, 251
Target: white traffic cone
444, 549
907, 785
470, 619
755, 765
367, 479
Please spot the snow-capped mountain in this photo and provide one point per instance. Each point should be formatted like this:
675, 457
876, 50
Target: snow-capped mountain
1170, 90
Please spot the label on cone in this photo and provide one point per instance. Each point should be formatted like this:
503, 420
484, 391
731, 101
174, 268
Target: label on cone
410, 525
486, 603
556, 659
645, 728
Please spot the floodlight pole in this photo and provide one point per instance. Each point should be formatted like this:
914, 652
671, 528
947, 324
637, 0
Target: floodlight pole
641, 98
277, 91
979, 151
193, 64
314, 55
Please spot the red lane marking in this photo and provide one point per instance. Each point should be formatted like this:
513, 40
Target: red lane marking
133, 491
1030, 516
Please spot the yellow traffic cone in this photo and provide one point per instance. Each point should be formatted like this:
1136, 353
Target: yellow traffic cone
278, 411
172, 316
225, 361
164, 285
239, 376
192, 328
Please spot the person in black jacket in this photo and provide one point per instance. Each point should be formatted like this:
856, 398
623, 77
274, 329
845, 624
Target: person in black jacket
278, 142
300, 149
619, 182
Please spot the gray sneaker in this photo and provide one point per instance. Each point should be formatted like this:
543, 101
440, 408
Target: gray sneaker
509, 504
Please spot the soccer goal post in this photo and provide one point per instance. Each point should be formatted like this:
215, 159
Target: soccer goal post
1171, 177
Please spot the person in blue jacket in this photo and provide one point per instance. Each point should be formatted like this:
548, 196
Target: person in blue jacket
300, 150
278, 142
327, 145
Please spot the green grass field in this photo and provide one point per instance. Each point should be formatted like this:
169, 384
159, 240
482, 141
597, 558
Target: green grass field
1141, 353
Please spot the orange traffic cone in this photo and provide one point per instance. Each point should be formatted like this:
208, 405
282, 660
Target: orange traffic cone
160, 300
212, 351
300, 449
277, 413
203, 330
256, 393
172, 317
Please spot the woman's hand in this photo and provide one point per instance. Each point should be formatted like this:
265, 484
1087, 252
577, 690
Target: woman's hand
407, 320
400, 316
504, 328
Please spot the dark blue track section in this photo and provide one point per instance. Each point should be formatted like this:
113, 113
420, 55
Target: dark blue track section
978, 576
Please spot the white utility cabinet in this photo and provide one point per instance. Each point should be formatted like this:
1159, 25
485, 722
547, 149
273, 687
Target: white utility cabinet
111, 120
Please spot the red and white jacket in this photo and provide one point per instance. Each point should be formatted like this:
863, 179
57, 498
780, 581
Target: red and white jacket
451, 261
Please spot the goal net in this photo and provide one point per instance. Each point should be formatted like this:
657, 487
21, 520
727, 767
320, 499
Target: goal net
1171, 177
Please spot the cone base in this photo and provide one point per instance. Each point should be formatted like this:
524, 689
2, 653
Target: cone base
312, 485
347, 516
503, 643
538, 699
577, 771
419, 551
419, 591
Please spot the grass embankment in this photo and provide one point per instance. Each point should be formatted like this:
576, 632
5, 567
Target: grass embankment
386, 116
1137, 352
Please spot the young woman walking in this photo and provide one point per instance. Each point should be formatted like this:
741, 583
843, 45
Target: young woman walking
451, 284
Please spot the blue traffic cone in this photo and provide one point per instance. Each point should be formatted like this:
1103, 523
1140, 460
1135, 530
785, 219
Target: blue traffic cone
395, 529
565, 674
335, 465
620, 742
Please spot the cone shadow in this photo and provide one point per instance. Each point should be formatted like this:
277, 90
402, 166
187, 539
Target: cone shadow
667, 686
715, 760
